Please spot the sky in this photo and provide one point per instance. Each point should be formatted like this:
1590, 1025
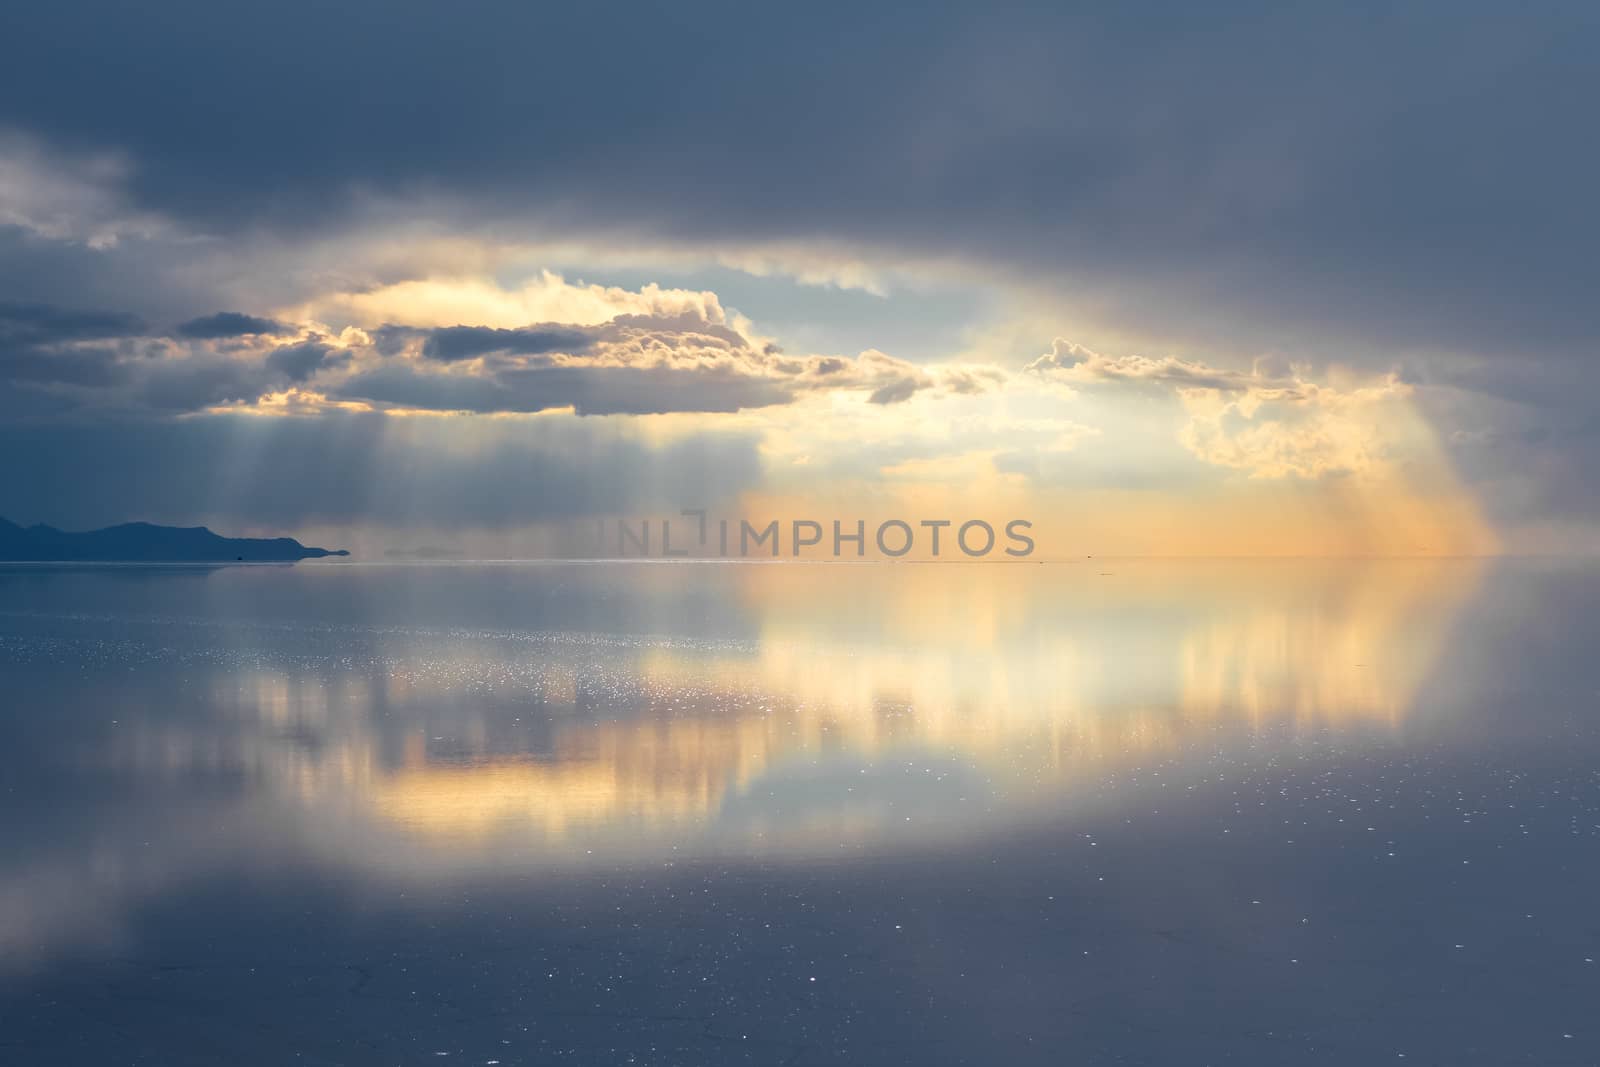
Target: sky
1223, 279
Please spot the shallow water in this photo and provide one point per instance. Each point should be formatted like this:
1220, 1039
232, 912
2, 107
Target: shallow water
1109, 812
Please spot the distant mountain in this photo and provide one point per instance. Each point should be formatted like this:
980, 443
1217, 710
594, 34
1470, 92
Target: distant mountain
142, 542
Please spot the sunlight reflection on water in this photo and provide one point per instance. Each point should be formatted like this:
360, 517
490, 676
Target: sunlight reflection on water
417, 721
300, 802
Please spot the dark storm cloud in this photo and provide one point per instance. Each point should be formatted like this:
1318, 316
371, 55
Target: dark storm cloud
1354, 182
650, 390
468, 342
631, 365
38, 346
588, 390
43, 324
92, 368
229, 324
150, 277
297, 363
403, 386
1415, 174
450, 344
338, 468
192, 385
108, 360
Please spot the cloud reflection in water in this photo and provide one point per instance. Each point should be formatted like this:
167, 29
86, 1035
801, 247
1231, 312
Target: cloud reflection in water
425, 725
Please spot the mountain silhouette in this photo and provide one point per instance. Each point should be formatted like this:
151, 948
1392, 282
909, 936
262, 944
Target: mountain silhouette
142, 542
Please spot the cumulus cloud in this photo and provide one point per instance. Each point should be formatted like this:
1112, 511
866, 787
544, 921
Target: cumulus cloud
687, 356
1072, 362
1267, 425
631, 365
444, 301
1304, 432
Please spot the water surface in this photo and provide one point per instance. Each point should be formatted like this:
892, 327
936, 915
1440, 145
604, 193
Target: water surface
1113, 812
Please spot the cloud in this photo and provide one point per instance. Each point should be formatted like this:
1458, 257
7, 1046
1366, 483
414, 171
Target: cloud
41, 324
59, 196
467, 342
688, 357
1306, 434
90, 360
895, 392
91, 368
229, 324
39, 347
971, 378
1172, 182
1268, 425
585, 388
1072, 362
198, 380
299, 362
631, 365
1283, 197
433, 301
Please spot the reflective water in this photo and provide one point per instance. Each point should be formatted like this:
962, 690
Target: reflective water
1113, 812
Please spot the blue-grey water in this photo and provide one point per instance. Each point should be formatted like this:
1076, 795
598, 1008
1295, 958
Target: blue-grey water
1111, 812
